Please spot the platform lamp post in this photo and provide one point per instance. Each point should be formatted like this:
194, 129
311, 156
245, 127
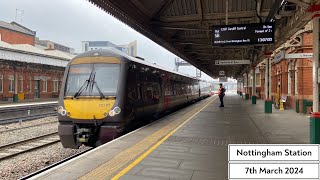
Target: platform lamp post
315, 116
247, 87
254, 96
268, 101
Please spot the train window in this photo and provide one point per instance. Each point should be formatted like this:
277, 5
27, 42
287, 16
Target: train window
177, 89
105, 77
167, 89
189, 89
139, 91
132, 94
172, 87
151, 91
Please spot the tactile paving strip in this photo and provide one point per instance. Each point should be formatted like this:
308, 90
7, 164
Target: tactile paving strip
208, 141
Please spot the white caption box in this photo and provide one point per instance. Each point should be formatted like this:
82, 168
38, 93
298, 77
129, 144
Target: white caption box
273, 152
273, 171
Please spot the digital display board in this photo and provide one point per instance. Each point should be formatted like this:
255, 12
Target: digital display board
241, 34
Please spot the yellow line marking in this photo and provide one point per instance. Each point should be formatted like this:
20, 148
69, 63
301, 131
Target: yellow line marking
129, 167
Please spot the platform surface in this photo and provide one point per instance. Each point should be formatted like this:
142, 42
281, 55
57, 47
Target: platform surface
189, 144
27, 103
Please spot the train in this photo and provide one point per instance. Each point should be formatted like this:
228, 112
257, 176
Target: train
104, 92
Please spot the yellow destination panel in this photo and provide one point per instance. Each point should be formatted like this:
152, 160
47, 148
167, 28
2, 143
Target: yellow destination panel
101, 59
88, 108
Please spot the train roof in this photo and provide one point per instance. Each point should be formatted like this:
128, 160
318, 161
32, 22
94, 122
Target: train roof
116, 53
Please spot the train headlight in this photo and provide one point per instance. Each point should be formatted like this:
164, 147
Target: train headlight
112, 113
117, 110
63, 112
60, 109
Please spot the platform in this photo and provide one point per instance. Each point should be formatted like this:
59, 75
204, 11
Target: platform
27, 103
189, 144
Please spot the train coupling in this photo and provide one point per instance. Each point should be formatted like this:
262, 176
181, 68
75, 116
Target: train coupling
83, 135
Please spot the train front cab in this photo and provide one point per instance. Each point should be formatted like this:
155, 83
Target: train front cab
90, 102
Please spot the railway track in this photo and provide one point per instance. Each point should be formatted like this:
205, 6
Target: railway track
25, 118
20, 147
12, 114
54, 164
26, 127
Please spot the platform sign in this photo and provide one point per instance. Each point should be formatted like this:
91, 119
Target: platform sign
231, 62
198, 73
221, 73
273, 161
281, 55
241, 34
299, 56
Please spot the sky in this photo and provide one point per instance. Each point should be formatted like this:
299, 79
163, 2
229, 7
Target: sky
68, 22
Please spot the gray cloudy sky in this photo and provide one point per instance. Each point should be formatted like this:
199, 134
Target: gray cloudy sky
69, 22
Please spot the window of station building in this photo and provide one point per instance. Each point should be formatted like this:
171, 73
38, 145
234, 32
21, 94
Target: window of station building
44, 86
1, 82
30, 85
258, 79
245, 82
289, 78
296, 79
11, 85
21, 84
250, 80
55, 85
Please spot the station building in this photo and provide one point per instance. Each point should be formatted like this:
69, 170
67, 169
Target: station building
50, 45
129, 49
27, 71
14, 33
291, 73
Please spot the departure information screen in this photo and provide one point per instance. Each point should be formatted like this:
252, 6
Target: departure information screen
241, 34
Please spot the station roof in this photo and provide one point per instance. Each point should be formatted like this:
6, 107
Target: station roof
17, 27
28, 49
184, 27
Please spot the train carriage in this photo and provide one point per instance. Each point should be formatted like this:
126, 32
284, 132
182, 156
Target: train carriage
104, 91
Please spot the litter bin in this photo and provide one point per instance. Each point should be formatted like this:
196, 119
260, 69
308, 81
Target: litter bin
268, 106
254, 99
15, 98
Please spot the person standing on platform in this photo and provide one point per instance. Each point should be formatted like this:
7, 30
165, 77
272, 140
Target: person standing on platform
221, 94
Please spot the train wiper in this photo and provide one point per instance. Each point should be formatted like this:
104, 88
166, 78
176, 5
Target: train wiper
84, 86
94, 83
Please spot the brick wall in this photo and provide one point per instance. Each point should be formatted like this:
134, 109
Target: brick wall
13, 37
25, 72
280, 71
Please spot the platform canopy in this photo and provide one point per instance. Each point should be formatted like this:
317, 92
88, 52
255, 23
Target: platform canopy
184, 27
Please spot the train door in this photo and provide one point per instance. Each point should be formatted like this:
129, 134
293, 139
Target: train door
134, 100
37, 89
139, 109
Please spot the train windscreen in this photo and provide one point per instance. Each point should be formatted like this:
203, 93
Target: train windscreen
92, 80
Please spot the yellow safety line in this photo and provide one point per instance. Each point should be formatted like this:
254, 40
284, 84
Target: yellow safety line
129, 167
